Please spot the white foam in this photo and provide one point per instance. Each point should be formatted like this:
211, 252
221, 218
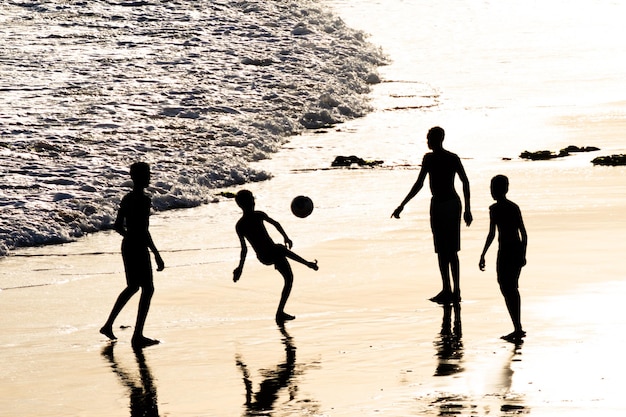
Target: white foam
199, 91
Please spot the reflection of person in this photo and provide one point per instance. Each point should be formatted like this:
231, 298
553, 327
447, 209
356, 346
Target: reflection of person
445, 210
281, 377
141, 391
512, 402
251, 227
506, 217
132, 223
449, 344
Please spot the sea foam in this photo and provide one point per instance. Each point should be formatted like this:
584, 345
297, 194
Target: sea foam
197, 89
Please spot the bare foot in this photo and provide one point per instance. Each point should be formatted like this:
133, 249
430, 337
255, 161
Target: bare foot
108, 332
283, 317
515, 336
139, 342
444, 297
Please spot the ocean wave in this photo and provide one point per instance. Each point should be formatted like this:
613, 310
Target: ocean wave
197, 89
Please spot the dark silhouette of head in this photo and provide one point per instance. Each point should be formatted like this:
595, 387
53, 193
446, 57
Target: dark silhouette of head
499, 187
245, 200
140, 174
435, 137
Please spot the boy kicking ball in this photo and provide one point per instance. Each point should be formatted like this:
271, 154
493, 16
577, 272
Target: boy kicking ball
251, 227
506, 217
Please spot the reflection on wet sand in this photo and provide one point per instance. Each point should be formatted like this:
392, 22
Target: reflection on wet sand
449, 344
283, 376
449, 351
511, 402
141, 389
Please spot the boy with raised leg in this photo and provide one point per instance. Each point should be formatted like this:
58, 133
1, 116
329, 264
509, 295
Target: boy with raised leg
251, 227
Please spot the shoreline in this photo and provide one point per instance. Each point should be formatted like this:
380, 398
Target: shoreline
199, 92
364, 322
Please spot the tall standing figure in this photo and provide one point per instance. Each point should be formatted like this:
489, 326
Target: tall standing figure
442, 166
251, 227
132, 223
506, 217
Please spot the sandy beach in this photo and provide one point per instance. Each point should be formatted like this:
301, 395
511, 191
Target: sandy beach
366, 340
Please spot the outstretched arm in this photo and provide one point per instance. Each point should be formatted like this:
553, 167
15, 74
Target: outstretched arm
412, 193
242, 258
490, 236
280, 229
467, 216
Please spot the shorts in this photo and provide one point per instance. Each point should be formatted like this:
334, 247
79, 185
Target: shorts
445, 223
273, 255
509, 266
137, 264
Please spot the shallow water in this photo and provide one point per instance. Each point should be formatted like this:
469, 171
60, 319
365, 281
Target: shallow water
198, 90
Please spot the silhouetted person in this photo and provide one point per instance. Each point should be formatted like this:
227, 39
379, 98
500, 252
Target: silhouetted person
141, 391
262, 401
506, 217
251, 227
442, 166
450, 345
132, 223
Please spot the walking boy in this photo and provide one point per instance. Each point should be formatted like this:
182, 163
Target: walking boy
132, 223
251, 227
512, 240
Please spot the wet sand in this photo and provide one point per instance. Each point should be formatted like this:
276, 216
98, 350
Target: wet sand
366, 340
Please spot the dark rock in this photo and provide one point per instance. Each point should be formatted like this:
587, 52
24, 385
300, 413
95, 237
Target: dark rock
574, 149
538, 155
544, 155
346, 161
612, 160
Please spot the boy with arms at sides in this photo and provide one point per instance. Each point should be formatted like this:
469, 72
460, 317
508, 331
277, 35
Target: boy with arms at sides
132, 223
251, 228
506, 217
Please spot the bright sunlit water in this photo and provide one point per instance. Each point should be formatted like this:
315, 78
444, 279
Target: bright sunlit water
197, 89
203, 90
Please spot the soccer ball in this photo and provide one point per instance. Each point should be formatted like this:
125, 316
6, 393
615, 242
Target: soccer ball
301, 206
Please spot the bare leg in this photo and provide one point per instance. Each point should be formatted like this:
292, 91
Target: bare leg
445, 296
508, 287
285, 270
456, 276
139, 340
448, 263
513, 305
144, 306
291, 255
444, 269
121, 301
